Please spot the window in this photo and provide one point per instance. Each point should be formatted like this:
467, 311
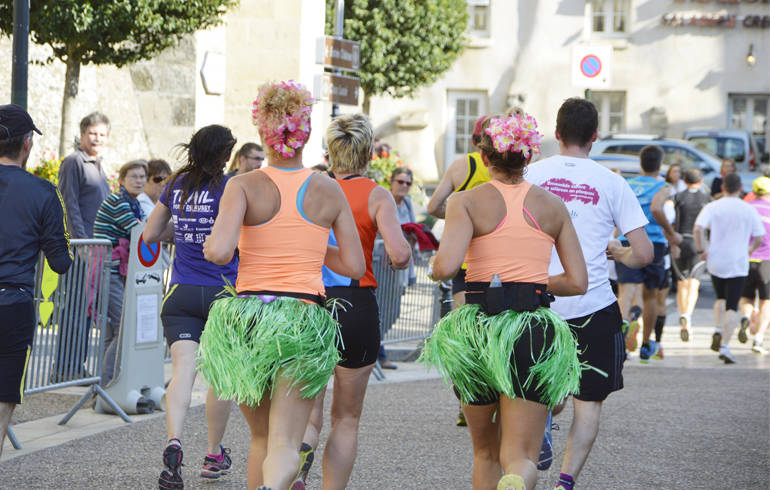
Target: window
478, 18
750, 112
464, 109
612, 111
608, 16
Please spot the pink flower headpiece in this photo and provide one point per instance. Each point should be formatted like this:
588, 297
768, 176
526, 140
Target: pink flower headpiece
515, 133
294, 130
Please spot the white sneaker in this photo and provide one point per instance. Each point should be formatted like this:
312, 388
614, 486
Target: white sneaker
725, 355
759, 348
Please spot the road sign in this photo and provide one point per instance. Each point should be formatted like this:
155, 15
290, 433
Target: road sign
147, 253
337, 88
591, 66
338, 53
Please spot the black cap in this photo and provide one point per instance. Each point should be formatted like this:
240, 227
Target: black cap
15, 121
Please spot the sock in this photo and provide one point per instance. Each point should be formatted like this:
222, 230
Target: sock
659, 322
218, 457
566, 481
758, 338
174, 441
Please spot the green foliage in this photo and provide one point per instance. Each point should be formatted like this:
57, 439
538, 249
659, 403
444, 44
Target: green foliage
48, 168
405, 44
380, 169
114, 31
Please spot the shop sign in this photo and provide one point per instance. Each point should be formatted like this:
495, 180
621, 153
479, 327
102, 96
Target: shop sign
715, 20
732, 2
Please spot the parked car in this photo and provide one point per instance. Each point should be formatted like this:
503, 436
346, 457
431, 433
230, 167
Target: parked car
736, 144
628, 166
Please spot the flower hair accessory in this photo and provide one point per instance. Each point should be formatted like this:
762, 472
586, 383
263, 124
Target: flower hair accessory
293, 130
515, 133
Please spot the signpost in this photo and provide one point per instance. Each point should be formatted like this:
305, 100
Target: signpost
339, 54
337, 88
591, 66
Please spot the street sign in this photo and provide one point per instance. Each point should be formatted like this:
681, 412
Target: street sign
336, 88
147, 253
338, 53
591, 66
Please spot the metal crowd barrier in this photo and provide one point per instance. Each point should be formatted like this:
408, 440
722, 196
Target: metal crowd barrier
70, 316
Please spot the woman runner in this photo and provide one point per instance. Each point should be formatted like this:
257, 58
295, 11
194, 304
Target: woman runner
192, 199
273, 346
505, 351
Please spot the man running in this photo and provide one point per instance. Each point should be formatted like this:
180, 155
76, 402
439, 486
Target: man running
598, 201
687, 204
733, 224
651, 193
758, 282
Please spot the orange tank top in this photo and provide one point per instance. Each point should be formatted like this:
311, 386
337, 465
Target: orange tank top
515, 251
286, 253
357, 190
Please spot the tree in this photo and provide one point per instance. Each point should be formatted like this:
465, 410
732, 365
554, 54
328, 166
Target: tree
405, 44
114, 32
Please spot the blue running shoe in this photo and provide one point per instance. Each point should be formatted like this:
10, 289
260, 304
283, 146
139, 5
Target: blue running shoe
546, 450
648, 351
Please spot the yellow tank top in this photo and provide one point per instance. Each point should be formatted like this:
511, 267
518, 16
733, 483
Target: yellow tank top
478, 173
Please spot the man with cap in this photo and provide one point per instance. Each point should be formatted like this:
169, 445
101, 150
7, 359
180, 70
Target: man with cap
758, 282
33, 220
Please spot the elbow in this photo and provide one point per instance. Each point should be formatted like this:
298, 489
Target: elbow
61, 265
440, 273
217, 258
149, 236
401, 259
581, 285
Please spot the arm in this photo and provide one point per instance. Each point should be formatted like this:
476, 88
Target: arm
348, 257
451, 253
656, 207
574, 279
437, 203
221, 243
69, 186
386, 219
54, 239
701, 242
756, 242
639, 254
159, 225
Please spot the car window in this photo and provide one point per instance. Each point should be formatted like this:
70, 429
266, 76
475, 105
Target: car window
722, 147
625, 149
680, 156
734, 149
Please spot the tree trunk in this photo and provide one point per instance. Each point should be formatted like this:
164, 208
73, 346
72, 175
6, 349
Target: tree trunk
365, 105
71, 83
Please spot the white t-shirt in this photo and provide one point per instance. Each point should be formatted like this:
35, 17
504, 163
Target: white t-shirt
598, 201
732, 223
146, 203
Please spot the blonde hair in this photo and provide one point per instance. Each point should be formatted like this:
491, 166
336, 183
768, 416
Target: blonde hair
349, 142
281, 112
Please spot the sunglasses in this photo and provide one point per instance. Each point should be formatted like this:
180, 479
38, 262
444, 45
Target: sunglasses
256, 159
404, 182
158, 179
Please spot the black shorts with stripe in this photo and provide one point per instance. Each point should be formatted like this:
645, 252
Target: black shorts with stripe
17, 329
185, 310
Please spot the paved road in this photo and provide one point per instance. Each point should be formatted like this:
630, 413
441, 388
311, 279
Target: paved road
685, 422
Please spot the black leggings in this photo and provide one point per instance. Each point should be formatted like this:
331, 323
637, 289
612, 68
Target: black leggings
729, 289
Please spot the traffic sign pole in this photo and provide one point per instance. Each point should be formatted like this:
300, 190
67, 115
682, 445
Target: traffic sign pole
339, 20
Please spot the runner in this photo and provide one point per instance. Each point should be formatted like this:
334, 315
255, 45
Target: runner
186, 211
652, 193
272, 346
349, 141
506, 351
688, 204
598, 201
758, 282
733, 224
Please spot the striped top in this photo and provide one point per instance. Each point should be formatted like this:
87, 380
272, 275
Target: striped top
114, 219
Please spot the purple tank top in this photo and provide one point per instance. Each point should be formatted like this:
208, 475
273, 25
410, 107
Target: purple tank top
763, 207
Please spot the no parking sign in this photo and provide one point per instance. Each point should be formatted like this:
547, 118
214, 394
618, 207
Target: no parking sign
591, 66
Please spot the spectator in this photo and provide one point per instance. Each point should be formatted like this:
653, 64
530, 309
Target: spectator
157, 174
33, 220
249, 157
674, 179
728, 167
116, 216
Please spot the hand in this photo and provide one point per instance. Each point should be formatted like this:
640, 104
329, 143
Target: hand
674, 239
206, 247
704, 255
615, 250
675, 252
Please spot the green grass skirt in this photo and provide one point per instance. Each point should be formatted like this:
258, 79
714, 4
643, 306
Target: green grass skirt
246, 343
472, 350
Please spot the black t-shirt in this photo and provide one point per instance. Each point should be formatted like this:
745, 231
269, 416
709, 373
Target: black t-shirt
32, 220
688, 204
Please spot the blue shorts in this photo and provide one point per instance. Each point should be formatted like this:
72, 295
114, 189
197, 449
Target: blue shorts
652, 275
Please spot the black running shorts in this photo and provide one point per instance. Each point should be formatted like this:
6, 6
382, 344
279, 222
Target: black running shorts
729, 289
758, 282
359, 319
185, 311
458, 282
601, 345
653, 275
688, 257
17, 329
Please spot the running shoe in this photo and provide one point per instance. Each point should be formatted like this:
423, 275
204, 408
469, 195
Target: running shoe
759, 348
742, 336
213, 468
306, 455
461, 422
684, 333
511, 482
171, 476
648, 351
716, 341
725, 355
631, 334
659, 354
546, 450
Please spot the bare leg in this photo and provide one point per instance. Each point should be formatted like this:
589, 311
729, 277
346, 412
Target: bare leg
523, 423
649, 312
764, 319
682, 291
731, 320
342, 444
719, 313
217, 414
288, 419
581, 437
316, 422
485, 436
257, 418
746, 307
692, 294
6, 410
180, 388
626, 291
